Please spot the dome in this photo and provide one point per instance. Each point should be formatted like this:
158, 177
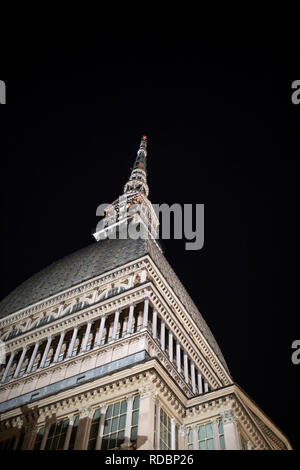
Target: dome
92, 261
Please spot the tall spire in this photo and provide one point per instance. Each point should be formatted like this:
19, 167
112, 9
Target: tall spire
133, 206
138, 177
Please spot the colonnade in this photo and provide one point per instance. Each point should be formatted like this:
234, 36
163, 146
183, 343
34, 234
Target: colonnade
104, 330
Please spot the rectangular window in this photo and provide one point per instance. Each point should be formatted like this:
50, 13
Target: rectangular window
176, 436
134, 421
206, 437
57, 435
221, 435
114, 425
164, 431
190, 439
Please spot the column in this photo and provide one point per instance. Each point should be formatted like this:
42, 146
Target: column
94, 296
205, 386
131, 281
130, 319
178, 356
126, 443
45, 436
170, 346
193, 377
33, 356
116, 323
101, 329
182, 438
215, 428
200, 388
84, 424
86, 336
12, 355
145, 440
157, 426
154, 324
30, 436
195, 437
60, 309
145, 314
69, 432
46, 351
71, 345
162, 335
58, 349
101, 426
185, 365
231, 434
143, 276
20, 363
173, 437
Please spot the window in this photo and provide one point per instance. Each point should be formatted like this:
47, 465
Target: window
190, 440
75, 307
114, 425
73, 433
8, 444
221, 435
164, 431
57, 435
206, 437
176, 436
39, 438
20, 440
135, 420
114, 291
94, 430
43, 321
12, 334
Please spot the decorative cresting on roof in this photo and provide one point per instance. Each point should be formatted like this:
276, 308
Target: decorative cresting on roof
138, 178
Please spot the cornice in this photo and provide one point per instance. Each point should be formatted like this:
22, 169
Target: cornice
79, 289
91, 312
179, 309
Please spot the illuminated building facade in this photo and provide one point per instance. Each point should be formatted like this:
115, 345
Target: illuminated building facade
105, 349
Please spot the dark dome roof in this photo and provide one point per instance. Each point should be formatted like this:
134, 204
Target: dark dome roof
92, 261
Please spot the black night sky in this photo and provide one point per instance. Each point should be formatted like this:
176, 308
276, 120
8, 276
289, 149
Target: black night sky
213, 95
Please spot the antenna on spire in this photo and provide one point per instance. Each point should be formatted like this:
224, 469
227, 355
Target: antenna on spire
138, 177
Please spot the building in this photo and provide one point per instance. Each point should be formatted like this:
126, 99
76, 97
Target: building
106, 350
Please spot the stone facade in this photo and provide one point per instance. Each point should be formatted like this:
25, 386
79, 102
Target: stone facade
119, 357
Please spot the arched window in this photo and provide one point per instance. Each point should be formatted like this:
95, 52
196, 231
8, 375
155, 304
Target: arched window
94, 430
